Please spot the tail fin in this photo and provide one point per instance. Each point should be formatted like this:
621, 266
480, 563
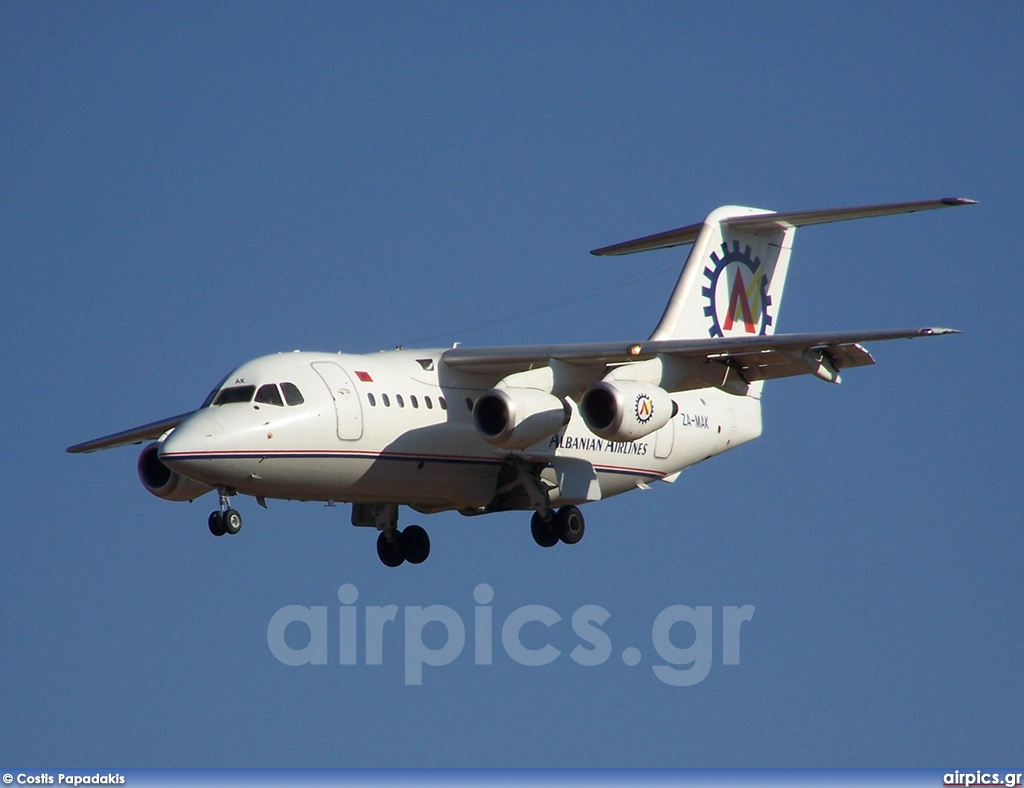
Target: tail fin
732, 281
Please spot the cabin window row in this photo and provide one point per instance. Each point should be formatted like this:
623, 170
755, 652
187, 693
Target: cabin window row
400, 401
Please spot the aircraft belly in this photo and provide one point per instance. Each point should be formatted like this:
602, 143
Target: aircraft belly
361, 479
311, 477
436, 482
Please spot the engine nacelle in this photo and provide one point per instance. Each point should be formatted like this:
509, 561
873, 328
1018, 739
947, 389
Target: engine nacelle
163, 482
625, 411
517, 418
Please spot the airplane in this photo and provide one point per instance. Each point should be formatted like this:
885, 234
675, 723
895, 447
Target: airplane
534, 428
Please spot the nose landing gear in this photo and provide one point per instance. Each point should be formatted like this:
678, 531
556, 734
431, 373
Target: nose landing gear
224, 520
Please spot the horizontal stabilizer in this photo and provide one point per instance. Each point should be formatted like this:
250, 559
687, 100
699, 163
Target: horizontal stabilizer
773, 221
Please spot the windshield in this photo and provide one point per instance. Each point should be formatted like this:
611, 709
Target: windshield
235, 394
268, 394
209, 397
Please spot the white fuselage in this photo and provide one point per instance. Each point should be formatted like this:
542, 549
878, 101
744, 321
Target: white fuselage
397, 427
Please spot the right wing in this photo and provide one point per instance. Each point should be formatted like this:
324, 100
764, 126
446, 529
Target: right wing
146, 432
752, 357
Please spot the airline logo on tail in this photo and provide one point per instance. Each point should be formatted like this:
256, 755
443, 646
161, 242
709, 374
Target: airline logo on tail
736, 293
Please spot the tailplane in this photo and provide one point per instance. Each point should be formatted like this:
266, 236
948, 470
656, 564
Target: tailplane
732, 281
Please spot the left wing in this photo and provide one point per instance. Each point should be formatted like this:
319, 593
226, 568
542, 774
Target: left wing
146, 432
753, 357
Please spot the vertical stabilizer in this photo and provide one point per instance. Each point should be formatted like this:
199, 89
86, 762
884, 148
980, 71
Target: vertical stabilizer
732, 282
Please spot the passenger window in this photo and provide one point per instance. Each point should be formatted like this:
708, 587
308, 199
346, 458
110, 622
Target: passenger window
292, 395
234, 394
444, 405
413, 400
372, 399
269, 395
387, 402
401, 402
469, 403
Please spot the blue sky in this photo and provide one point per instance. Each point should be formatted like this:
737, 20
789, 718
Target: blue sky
187, 186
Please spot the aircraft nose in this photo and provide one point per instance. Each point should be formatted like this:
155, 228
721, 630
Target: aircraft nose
190, 438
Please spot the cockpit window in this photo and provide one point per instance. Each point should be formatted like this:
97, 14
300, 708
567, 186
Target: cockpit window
269, 395
209, 397
235, 394
292, 395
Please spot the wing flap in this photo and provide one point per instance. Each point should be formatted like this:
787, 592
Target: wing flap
774, 364
850, 356
146, 432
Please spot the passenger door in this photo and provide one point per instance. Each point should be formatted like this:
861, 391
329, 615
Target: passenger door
347, 409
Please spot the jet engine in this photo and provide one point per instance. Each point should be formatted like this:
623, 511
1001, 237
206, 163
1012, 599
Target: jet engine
163, 482
517, 418
625, 411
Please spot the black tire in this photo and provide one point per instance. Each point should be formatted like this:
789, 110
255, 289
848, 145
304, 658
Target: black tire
216, 524
544, 533
415, 544
570, 524
232, 521
390, 553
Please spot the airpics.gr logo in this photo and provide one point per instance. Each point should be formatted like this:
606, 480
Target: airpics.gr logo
371, 630
644, 408
737, 294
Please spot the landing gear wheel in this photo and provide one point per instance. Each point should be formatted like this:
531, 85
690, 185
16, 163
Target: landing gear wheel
544, 533
232, 521
216, 523
570, 524
415, 544
390, 553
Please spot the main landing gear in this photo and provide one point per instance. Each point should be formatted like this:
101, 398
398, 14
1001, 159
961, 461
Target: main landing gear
395, 547
224, 520
411, 544
566, 525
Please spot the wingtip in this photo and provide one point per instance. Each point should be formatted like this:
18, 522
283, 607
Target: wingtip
958, 201
939, 331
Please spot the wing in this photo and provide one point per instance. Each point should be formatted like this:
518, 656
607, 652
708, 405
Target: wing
146, 432
752, 357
